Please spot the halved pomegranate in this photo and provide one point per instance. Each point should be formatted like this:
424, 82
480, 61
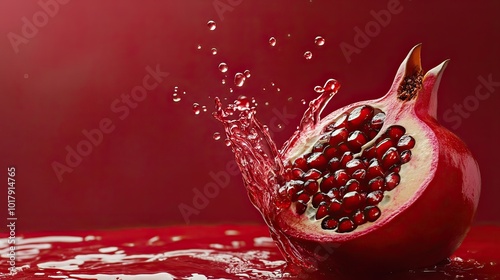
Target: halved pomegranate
377, 185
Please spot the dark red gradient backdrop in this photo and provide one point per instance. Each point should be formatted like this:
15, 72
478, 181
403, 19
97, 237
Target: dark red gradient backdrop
70, 72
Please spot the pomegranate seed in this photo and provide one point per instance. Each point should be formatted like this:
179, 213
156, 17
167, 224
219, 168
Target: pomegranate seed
341, 122
335, 207
346, 225
392, 181
330, 152
322, 211
317, 199
374, 170
378, 121
356, 140
300, 163
406, 142
338, 136
372, 213
343, 148
334, 193
341, 177
351, 200
304, 197
297, 173
382, 147
311, 187
327, 183
300, 207
358, 217
318, 147
405, 156
348, 156
374, 197
329, 223
359, 175
334, 164
359, 115
353, 165
370, 152
312, 174
317, 161
395, 132
376, 184
390, 158
353, 185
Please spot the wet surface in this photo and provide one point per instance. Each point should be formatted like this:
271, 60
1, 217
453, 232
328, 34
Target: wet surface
203, 252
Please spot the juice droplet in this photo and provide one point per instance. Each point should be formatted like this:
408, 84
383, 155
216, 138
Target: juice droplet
211, 25
198, 47
227, 142
290, 99
176, 97
176, 89
26, 76
196, 108
231, 90
216, 135
214, 51
242, 103
184, 92
303, 101
223, 81
272, 41
204, 108
239, 79
278, 89
308, 55
319, 89
319, 41
223, 67
247, 73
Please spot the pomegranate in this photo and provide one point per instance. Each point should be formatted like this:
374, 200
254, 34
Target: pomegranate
375, 186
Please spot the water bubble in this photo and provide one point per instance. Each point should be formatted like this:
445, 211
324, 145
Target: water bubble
319, 89
198, 47
211, 25
216, 135
176, 97
214, 51
247, 73
319, 41
272, 41
223, 67
303, 101
196, 108
239, 79
308, 55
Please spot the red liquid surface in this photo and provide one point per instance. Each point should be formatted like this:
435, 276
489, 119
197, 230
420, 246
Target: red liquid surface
204, 252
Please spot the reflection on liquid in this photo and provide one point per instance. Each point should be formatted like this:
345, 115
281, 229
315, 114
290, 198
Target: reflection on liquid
217, 252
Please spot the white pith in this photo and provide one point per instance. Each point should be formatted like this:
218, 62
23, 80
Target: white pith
413, 173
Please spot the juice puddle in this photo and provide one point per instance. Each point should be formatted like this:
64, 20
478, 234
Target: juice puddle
203, 252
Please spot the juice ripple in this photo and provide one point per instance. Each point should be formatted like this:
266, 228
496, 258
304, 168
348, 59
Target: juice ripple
181, 252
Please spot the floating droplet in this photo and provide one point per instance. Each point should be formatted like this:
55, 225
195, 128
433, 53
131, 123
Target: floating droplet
308, 55
176, 89
227, 142
198, 47
247, 73
204, 108
176, 97
303, 101
239, 79
196, 108
319, 41
290, 98
266, 103
231, 90
216, 135
26, 76
272, 41
223, 67
214, 51
211, 25
223, 81
289, 35
242, 103
278, 89
319, 89
184, 92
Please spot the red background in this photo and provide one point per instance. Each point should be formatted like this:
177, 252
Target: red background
65, 78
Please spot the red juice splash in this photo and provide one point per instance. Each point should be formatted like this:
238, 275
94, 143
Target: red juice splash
262, 164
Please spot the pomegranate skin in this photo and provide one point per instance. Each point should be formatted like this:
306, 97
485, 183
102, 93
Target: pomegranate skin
421, 232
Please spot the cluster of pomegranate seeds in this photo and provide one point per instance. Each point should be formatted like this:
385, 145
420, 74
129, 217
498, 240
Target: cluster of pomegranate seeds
341, 187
